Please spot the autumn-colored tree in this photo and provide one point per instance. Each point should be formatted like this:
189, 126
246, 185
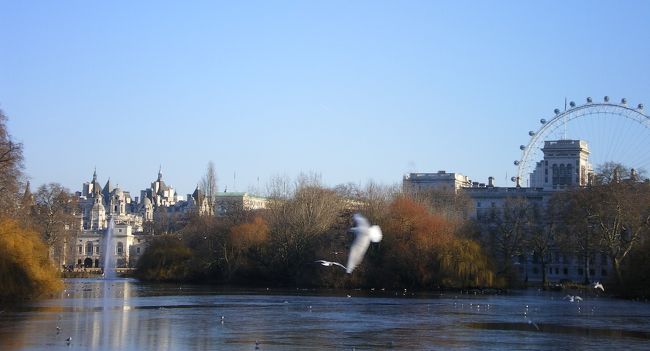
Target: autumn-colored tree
412, 237
25, 270
447, 202
244, 240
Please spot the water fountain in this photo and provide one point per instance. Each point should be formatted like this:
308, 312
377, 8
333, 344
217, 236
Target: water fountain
109, 252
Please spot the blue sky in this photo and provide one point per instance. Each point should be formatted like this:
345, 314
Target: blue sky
352, 90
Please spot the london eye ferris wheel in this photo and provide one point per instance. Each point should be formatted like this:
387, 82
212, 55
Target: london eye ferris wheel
615, 132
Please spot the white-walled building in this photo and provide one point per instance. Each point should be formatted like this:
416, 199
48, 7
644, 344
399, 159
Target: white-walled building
228, 202
440, 181
91, 244
565, 165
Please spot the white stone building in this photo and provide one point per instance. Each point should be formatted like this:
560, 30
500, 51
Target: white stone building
440, 181
90, 247
237, 201
565, 165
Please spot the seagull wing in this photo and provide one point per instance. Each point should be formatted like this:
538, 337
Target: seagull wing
578, 298
323, 262
340, 265
358, 249
360, 221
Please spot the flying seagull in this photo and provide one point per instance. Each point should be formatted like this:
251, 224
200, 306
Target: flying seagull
330, 264
364, 234
598, 285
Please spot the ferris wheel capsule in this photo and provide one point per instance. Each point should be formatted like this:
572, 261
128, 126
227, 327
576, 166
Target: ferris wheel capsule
516, 163
514, 179
589, 100
623, 101
640, 107
522, 147
606, 98
557, 111
542, 121
572, 104
531, 133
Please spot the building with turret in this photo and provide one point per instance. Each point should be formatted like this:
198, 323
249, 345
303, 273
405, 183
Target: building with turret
98, 205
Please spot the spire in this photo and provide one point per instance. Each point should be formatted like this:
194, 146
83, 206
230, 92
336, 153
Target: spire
160, 172
95, 174
107, 187
27, 195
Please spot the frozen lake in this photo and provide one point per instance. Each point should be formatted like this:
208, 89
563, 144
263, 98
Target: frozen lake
128, 315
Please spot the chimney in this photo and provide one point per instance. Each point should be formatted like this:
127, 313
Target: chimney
491, 182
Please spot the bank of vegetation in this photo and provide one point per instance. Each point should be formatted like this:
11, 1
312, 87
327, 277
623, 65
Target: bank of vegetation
430, 239
278, 246
26, 270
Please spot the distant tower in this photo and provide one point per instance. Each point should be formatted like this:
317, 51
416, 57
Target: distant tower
565, 165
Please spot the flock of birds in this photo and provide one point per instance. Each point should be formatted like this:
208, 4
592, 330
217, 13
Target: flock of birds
576, 298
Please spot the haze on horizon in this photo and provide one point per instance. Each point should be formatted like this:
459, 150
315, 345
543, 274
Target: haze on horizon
353, 91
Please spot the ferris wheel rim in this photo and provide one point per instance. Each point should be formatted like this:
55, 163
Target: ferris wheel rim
576, 111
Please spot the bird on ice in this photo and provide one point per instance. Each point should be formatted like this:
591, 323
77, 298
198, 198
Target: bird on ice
330, 264
364, 234
572, 298
598, 285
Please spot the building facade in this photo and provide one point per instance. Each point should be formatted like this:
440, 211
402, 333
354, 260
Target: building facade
228, 202
565, 165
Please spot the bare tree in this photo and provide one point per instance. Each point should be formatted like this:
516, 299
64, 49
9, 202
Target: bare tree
541, 235
505, 231
613, 172
11, 158
620, 216
296, 222
54, 215
209, 186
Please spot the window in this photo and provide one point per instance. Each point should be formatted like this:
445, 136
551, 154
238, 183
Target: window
565, 271
120, 248
137, 250
89, 248
580, 271
81, 249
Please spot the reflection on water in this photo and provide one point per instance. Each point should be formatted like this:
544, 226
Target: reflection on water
128, 315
